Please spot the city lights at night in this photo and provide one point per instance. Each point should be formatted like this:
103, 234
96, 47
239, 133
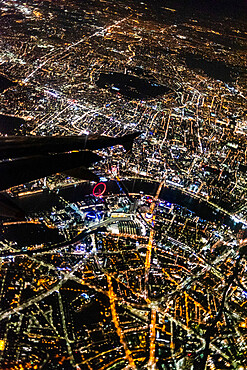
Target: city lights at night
123, 187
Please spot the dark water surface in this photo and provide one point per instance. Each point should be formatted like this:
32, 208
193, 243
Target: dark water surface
30, 234
46, 200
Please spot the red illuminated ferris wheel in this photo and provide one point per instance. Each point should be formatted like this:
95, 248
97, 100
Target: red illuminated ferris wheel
99, 189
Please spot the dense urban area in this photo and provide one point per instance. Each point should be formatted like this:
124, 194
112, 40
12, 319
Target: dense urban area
146, 267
